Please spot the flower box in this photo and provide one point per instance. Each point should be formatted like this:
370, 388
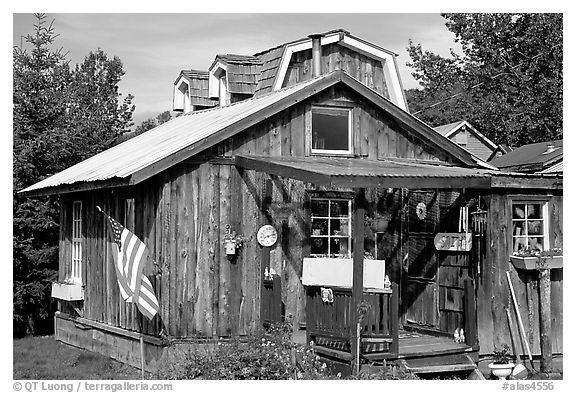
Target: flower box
531, 263
67, 291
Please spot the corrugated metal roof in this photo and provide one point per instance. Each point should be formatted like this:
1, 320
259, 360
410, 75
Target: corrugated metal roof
125, 159
334, 171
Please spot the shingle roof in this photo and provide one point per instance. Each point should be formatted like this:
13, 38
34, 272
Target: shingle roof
534, 153
446, 128
241, 59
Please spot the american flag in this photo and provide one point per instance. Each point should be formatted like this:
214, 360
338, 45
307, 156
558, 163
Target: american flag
130, 254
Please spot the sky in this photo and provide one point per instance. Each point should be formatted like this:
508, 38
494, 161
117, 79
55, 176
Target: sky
155, 47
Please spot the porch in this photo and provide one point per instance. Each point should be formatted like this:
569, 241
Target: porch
333, 325
381, 337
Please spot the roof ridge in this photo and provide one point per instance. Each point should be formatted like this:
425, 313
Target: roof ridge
263, 95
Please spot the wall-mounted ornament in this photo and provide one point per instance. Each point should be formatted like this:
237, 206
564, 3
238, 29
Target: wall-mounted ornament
267, 236
421, 210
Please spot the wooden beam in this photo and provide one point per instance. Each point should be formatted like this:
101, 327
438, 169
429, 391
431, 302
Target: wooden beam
265, 251
357, 269
78, 187
394, 318
111, 329
283, 170
527, 182
410, 182
545, 321
470, 323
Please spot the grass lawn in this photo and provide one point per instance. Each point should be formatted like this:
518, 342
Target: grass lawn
46, 358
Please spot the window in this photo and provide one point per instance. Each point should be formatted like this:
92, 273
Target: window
76, 271
331, 130
529, 226
462, 139
331, 228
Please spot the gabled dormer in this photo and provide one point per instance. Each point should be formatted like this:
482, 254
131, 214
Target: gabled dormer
233, 78
191, 92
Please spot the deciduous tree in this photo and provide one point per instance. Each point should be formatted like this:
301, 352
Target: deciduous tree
507, 82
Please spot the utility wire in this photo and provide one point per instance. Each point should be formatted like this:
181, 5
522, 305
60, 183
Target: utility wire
481, 83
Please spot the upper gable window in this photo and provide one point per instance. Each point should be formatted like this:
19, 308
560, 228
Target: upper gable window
331, 130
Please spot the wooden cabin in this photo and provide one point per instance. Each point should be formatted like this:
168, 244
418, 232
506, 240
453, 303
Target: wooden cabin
465, 135
321, 147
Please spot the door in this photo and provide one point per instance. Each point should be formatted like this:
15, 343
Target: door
420, 265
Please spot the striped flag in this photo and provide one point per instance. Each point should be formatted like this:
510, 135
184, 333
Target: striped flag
130, 254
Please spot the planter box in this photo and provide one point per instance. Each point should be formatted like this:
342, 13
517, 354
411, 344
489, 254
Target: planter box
337, 272
530, 263
67, 291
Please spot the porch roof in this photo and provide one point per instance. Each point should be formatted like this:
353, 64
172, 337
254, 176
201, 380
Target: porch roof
357, 173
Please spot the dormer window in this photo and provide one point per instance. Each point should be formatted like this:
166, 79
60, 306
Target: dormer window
185, 91
218, 87
331, 130
223, 90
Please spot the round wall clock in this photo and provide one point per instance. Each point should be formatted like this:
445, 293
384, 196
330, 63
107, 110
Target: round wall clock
267, 235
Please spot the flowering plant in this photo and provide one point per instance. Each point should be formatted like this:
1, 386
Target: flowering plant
530, 251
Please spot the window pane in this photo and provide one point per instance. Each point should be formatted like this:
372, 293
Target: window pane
319, 246
534, 210
319, 227
338, 208
330, 130
518, 243
535, 227
339, 247
519, 228
320, 208
339, 227
536, 243
518, 211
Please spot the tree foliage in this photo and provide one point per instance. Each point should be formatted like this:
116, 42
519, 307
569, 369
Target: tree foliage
60, 117
507, 82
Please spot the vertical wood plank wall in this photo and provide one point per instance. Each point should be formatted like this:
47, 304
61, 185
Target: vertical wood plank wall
181, 215
336, 57
493, 291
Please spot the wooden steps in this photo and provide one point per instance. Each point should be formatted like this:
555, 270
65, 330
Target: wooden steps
457, 363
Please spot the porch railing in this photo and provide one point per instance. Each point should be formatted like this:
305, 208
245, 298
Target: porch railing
328, 324
272, 300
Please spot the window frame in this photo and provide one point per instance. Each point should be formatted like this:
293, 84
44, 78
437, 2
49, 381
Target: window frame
328, 108
329, 235
530, 200
76, 243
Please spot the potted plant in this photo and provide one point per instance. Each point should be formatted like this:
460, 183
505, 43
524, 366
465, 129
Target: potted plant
501, 366
533, 259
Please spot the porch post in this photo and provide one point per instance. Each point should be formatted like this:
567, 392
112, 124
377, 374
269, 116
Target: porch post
357, 272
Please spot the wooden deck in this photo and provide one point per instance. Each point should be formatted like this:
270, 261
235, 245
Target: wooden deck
412, 345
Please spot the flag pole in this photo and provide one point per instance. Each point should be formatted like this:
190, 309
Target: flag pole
141, 343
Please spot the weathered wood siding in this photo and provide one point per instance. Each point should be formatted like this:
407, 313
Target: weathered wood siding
336, 57
493, 291
474, 145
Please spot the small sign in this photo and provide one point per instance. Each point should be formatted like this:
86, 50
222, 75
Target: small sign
453, 241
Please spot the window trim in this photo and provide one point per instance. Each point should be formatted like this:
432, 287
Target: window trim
329, 236
77, 243
349, 111
530, 199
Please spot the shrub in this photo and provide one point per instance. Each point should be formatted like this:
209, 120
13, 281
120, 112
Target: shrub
268, 355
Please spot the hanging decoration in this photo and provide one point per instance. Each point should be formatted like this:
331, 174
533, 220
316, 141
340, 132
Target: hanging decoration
421, 210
